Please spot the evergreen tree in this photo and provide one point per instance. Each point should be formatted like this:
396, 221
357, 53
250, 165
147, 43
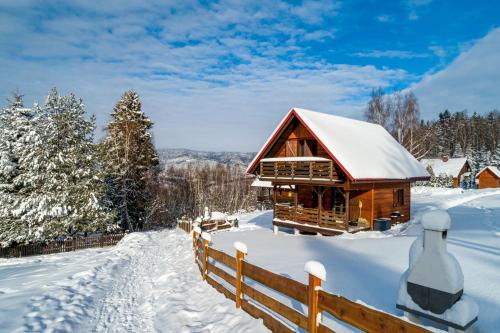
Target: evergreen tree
15, 125
130, 157
63, 183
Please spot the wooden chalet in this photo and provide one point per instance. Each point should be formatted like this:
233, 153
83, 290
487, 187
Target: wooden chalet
488, 177
343, 173
457, 168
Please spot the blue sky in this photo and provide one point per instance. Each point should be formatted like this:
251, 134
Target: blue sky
220, 75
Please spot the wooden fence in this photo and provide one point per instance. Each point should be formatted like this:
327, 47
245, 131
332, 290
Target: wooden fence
185, 225
207, 225
230, 276
60, 246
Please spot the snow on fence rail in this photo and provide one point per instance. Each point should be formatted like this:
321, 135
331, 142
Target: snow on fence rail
277, 316
67, 245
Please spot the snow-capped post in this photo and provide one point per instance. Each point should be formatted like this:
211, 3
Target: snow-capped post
317, 273
206, 239
196, 236
432, 286
241, 250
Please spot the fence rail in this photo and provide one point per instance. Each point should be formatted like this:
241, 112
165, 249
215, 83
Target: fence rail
185, 225
227, 273
67, 245
335, 219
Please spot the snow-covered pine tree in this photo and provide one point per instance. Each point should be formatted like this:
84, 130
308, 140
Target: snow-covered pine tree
15, 125
59, 167
129, 155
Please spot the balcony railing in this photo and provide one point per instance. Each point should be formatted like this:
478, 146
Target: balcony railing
304, 168
331, 219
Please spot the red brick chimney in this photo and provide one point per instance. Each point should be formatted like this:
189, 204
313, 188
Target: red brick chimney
445, 157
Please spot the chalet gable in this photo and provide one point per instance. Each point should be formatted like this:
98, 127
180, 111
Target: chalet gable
363, 151
492, 169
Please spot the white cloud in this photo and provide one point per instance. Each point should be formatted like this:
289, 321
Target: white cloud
470, 82
215, 76
384, 18
414, 6
412, 16
401, 54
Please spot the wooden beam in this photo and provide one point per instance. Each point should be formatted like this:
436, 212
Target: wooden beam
274, 201
312, 304
372, 214
240, 256
347, 208
320, 203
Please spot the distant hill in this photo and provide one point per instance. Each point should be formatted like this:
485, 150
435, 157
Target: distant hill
183, 157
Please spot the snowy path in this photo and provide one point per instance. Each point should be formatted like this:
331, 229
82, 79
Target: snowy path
147, 283
128, 302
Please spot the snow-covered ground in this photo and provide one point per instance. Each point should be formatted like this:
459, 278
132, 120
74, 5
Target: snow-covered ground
149, 281
367, 266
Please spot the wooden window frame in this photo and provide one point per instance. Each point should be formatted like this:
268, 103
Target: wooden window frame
398, 197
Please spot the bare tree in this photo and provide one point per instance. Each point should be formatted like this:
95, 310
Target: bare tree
378, 112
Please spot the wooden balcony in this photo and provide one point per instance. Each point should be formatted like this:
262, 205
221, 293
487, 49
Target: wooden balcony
312, 219
298, 168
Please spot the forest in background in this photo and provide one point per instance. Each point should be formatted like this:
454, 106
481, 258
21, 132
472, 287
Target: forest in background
457, 134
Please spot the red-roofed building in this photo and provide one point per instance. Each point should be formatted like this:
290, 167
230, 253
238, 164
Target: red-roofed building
345, 173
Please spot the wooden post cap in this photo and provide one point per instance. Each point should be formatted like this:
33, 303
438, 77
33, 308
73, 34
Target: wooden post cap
242, 247
316, 269
206, 236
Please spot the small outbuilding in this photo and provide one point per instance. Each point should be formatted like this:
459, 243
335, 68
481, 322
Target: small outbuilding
488, 177
446, 167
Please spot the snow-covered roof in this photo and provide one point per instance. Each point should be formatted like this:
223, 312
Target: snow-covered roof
217, 216
268, 184
450, 168
363, 150
261, 183
492, 168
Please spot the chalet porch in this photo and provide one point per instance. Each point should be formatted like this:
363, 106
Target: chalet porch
325, 222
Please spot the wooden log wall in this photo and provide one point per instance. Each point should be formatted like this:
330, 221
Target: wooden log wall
487, 179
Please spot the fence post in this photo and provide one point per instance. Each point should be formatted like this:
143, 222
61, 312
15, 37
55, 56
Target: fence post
206, 239
241, 250
316, 273
196, 236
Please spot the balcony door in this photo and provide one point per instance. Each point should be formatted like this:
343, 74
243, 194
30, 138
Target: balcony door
292, 148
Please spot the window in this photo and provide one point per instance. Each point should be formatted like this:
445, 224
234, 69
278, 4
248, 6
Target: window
399, 197
302, 148
307, 147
